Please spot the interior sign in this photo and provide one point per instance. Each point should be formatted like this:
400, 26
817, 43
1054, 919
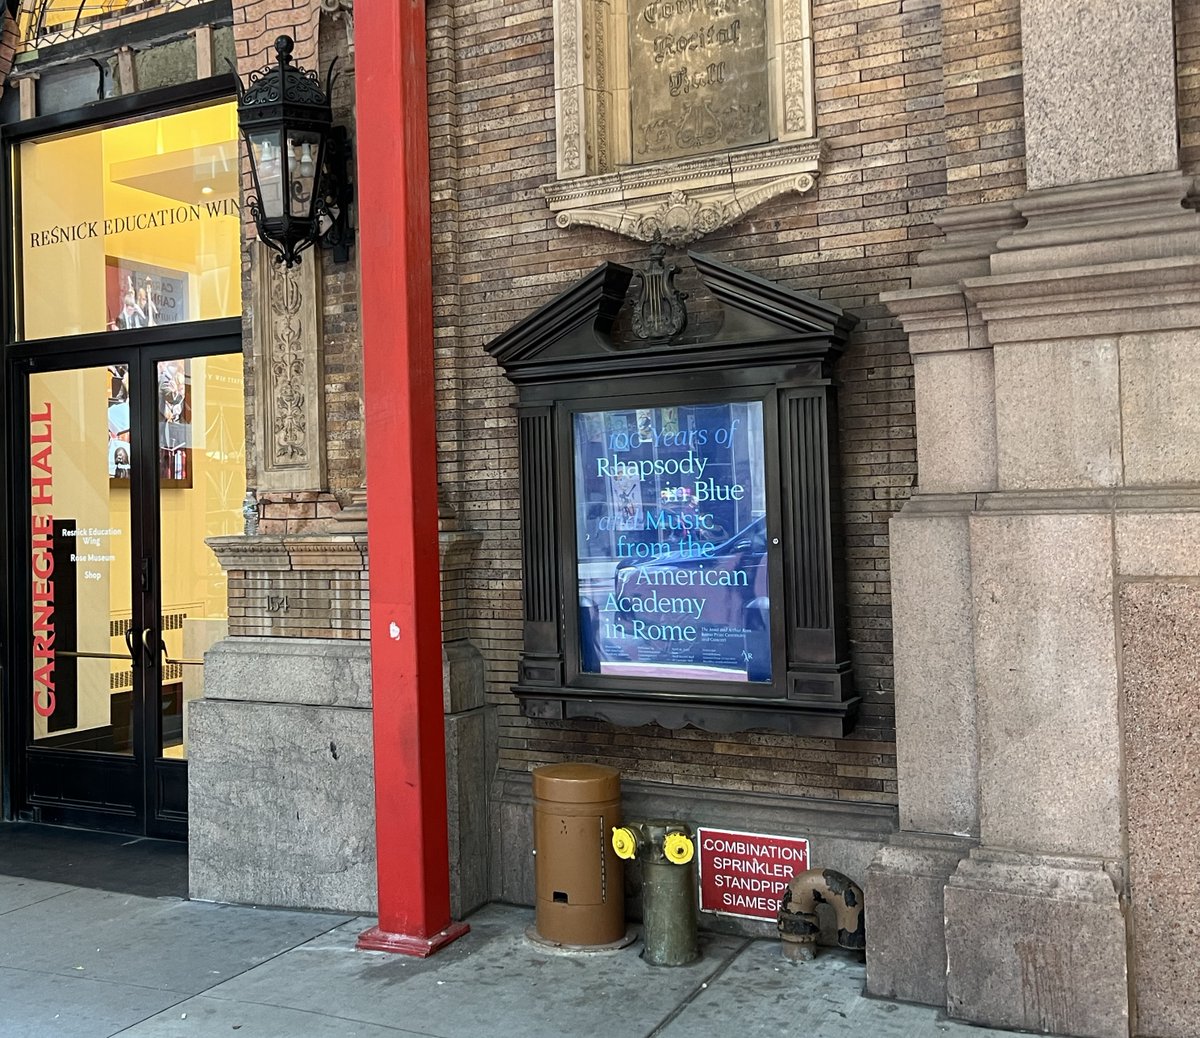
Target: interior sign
745, 874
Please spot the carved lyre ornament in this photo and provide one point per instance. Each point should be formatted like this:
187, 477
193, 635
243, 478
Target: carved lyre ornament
659, 312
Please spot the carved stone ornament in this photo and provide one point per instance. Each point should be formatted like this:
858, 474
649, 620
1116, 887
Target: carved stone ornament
285, 366
288, 374
680, 202
341, 11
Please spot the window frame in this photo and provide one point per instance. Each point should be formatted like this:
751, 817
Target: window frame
775, 345
591, 85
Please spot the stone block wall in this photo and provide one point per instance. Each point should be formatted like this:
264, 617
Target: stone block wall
1160, 635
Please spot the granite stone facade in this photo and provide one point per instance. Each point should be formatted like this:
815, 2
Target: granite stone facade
1004, 195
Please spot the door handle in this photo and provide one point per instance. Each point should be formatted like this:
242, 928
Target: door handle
129, 644
92, 655
147, 635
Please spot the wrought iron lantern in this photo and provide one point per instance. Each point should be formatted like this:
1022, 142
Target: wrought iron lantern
297, 159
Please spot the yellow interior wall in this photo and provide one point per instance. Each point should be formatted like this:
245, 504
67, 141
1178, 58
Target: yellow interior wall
79, 408
192, 578
62, 285
65, 292
68, 180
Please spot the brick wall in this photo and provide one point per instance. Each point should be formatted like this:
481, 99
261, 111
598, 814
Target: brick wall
297, 587
343, 334
984, 108
1187, 52
498, 256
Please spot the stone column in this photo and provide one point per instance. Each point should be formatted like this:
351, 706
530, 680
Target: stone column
1093, 310
1088, 306
470, 726
1099, 90
936, 752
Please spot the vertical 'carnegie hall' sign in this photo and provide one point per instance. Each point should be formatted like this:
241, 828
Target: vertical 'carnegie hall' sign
41, 485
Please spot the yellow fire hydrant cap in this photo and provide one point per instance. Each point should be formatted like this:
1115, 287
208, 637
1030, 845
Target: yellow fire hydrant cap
624, 843
678, 848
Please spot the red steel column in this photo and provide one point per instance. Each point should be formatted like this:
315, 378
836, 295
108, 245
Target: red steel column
396, 293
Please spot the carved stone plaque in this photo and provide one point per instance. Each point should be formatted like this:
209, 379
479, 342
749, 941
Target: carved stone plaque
697, 76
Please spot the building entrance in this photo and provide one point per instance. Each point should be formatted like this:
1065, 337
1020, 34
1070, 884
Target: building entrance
126, 448
135, 456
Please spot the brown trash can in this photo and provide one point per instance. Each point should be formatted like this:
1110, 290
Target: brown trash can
580, 881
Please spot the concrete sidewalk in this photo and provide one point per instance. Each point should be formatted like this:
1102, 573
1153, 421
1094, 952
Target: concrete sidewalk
85, 963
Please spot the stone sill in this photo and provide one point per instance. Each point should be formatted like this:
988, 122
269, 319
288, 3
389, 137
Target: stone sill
682, 200
279, 552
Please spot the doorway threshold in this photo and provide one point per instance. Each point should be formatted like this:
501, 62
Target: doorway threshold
118, 863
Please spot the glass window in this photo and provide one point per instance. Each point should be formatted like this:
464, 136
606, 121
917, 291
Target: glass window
671, 538
82, 558
202, 485
130, 226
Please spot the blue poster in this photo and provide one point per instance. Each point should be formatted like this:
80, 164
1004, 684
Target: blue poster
672, 542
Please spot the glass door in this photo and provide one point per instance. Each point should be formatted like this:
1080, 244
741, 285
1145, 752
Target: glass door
133, 461
200, 475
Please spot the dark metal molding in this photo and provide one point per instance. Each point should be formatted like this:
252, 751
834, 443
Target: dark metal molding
775, 345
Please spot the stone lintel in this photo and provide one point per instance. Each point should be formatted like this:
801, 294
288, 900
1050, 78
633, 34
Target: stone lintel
970, 236
1134, 501
1102, 500
1089, 302
682, 200
1093, 224
926, 504
1080, 877
938, 319
309, 671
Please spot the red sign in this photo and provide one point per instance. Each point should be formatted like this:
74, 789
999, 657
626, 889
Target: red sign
745, 874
